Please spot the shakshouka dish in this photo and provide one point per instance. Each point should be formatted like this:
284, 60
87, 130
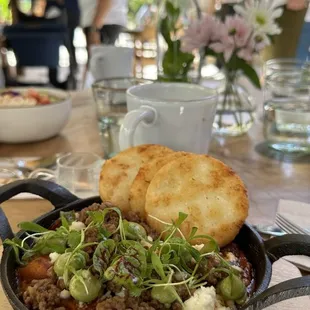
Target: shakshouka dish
110, 256
31, 97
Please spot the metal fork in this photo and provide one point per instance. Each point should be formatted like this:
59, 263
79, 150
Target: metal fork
288, 226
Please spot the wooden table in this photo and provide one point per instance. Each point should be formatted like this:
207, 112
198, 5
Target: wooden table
268, 180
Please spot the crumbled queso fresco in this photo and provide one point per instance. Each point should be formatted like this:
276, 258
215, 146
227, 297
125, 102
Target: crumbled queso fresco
53, 257
204, 299
77, 226
65, 294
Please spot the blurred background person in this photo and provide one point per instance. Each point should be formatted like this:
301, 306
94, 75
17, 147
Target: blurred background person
73, 21
304, 40
103, 20
72, 16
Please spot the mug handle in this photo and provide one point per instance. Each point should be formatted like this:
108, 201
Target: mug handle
131, 121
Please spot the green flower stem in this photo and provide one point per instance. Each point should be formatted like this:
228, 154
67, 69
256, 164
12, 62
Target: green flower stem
235, 100
220, 116
175, 63
231, 99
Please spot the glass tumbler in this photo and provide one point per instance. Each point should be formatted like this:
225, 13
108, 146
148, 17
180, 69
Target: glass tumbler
287, 125
287, 105
77, 172
282, 65
110, 99
286, 78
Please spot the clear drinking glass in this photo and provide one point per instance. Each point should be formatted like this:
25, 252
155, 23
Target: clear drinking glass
77, 172
287, 125
8, 175
282, 65
287, 105
110, 99
286, 78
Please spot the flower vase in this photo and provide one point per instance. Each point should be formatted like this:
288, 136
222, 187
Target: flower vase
235, 109
174, 65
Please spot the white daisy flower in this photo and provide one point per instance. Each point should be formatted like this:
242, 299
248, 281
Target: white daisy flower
262, 14
261, 40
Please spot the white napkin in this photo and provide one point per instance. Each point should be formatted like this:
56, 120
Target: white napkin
282, 270
286, 268
298, 213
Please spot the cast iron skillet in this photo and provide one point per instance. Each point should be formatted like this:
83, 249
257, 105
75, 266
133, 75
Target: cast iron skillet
261, 254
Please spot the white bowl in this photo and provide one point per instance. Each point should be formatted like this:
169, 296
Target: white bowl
35, 123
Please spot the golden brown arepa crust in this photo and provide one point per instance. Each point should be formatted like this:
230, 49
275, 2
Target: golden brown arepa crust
210, 192
142, 180
118, 172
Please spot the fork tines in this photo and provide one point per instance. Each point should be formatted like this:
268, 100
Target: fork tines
288, 226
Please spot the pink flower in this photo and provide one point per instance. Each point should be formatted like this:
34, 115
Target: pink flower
255, 44
225, 46
219, 31
258, 42
246, 54
239, 29
198, 34
233, 34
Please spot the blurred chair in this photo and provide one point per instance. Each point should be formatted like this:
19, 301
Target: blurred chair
109, 61
35, 42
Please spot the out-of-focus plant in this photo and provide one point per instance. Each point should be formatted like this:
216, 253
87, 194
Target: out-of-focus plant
176, 63
5, 12
134, 6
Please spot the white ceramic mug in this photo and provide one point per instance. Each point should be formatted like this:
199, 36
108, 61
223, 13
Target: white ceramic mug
177, 115
109, 61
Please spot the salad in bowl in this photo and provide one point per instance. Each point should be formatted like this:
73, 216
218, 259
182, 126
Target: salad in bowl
31, 115
28, 98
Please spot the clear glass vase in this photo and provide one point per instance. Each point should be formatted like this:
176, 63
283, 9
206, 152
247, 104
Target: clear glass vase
235, 109
173, 65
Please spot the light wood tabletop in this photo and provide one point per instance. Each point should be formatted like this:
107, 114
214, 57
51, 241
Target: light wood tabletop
268, 179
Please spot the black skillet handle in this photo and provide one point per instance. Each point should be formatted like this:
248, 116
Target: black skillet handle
52, 192
283, 291
277, 248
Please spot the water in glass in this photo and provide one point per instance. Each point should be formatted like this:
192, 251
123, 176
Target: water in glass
287, 125
110, 98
